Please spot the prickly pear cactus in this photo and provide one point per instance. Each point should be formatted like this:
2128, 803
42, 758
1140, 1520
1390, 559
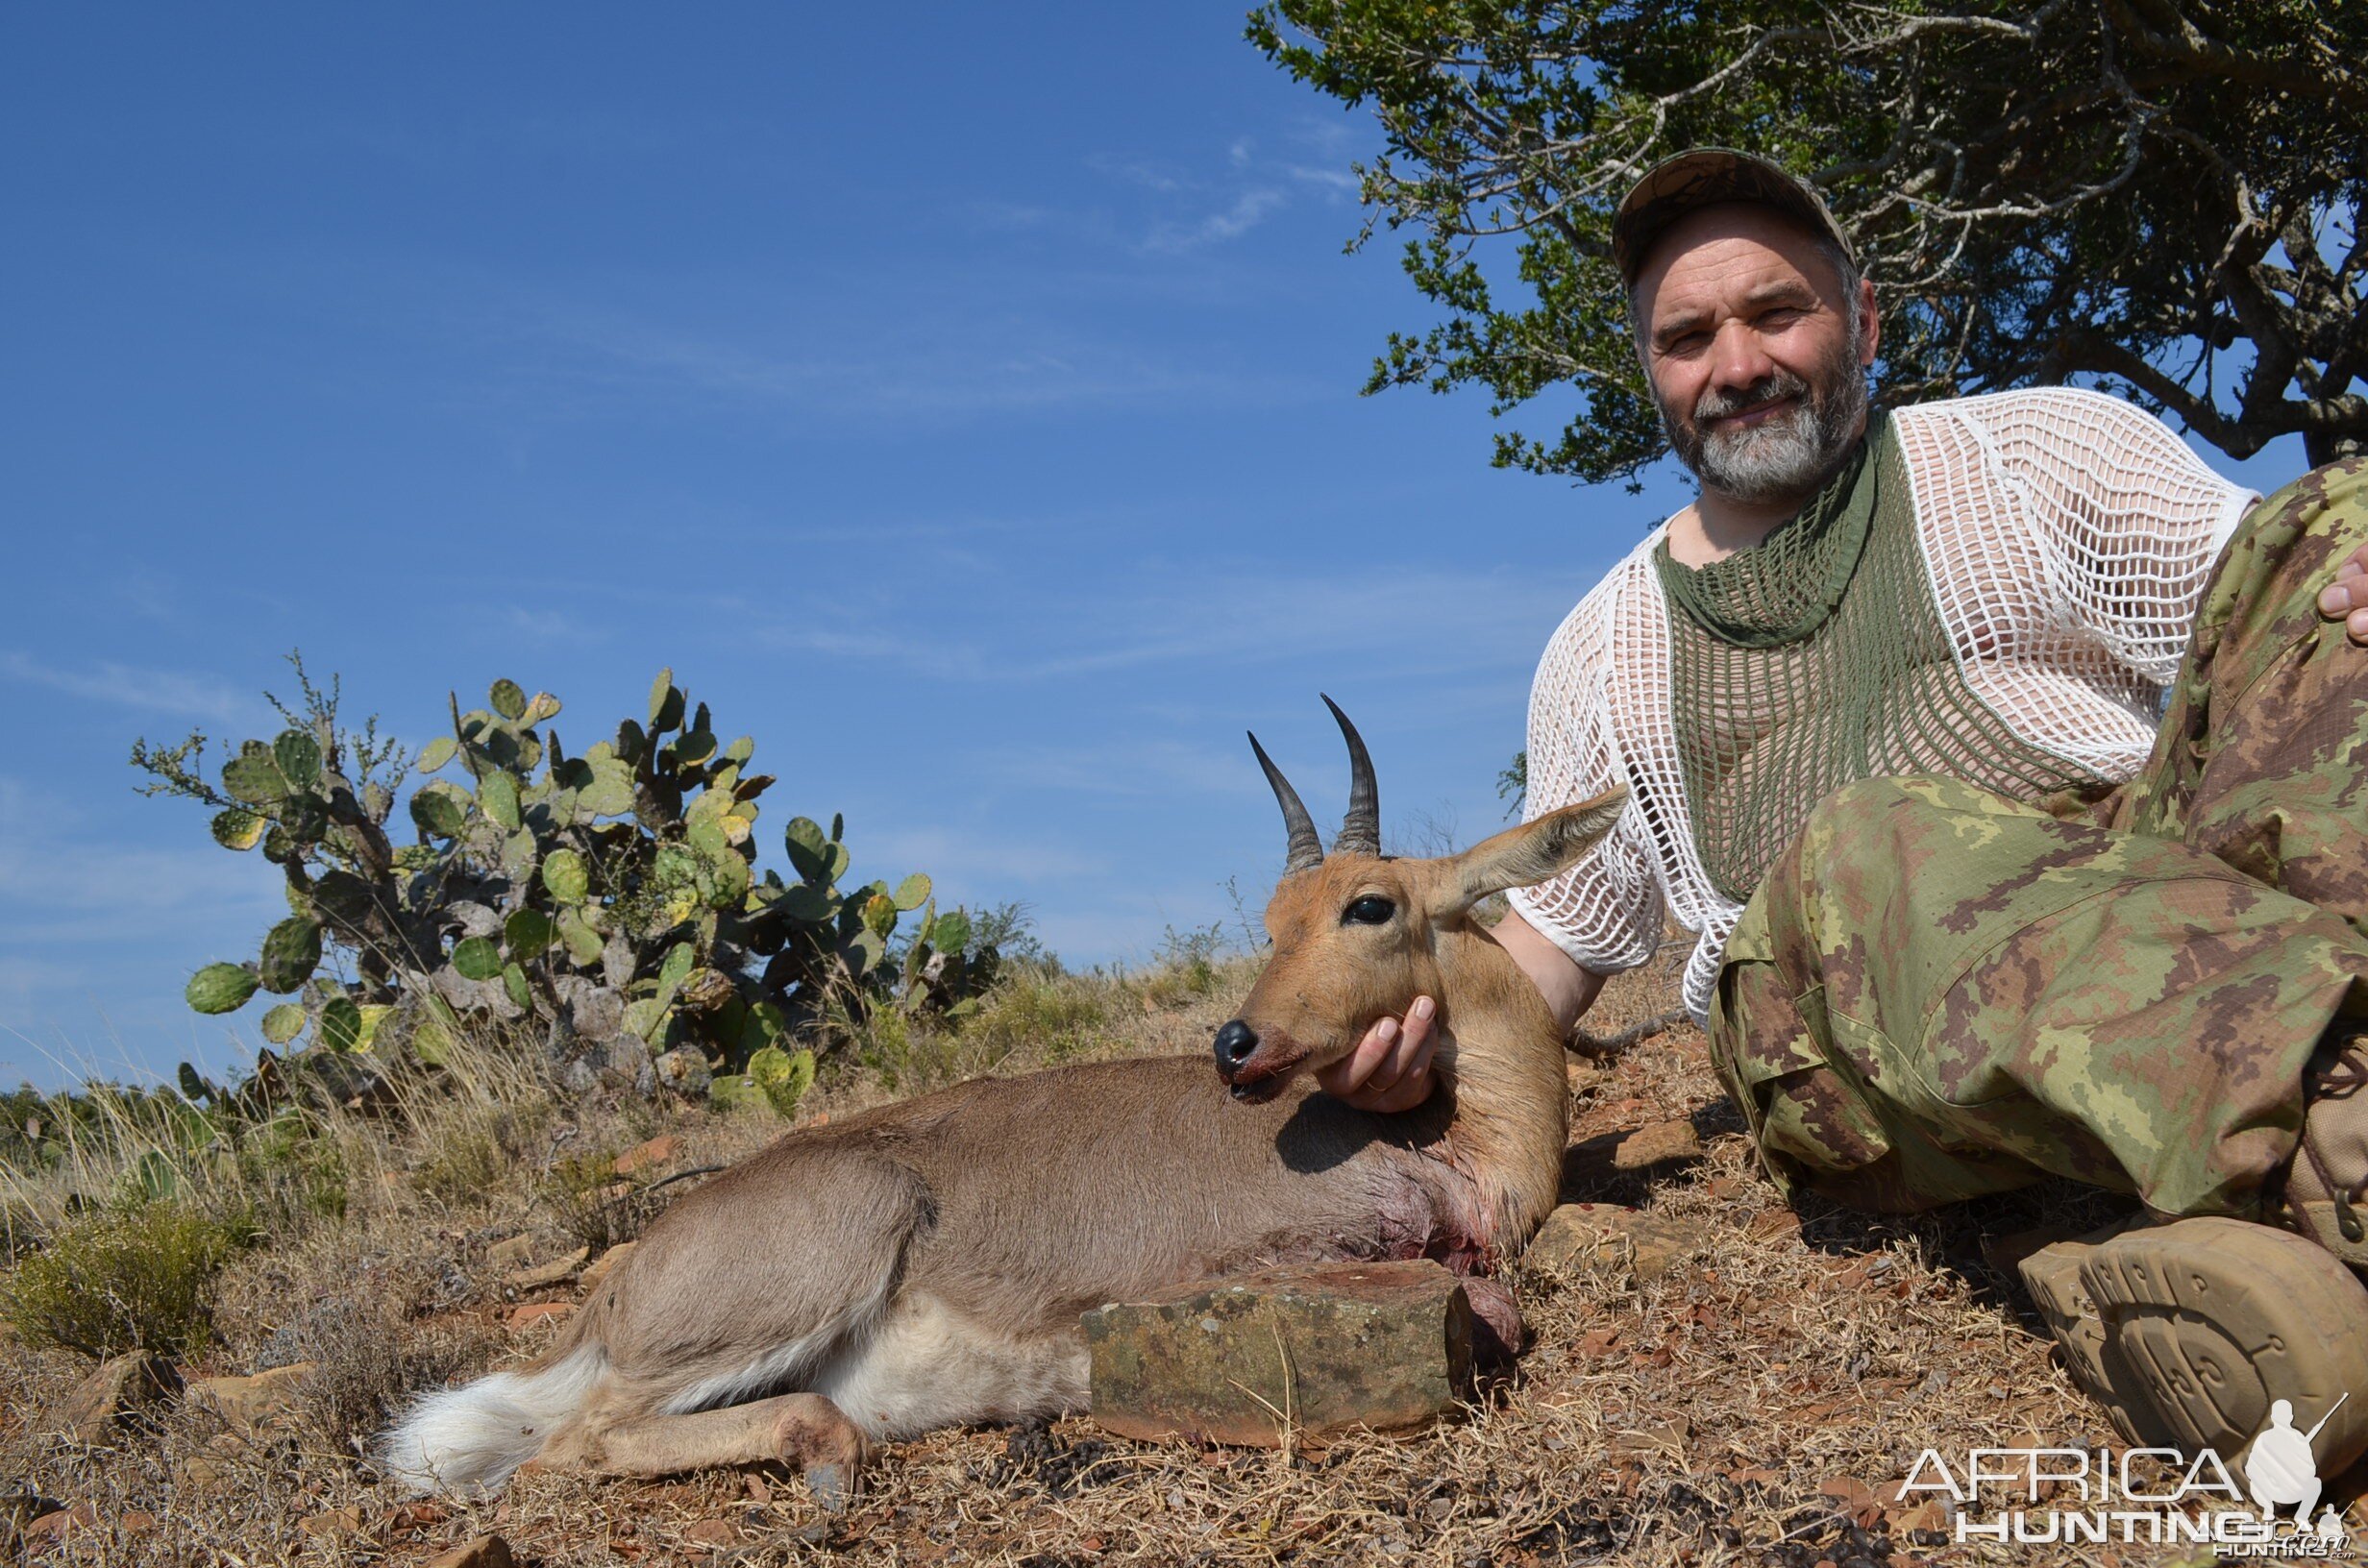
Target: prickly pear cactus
610, 898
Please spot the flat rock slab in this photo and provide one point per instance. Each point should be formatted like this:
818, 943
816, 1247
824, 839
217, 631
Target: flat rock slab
1319, 1351
1610, 1247
261, 1402
124, 1387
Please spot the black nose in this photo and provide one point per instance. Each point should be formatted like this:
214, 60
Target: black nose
1236, 1042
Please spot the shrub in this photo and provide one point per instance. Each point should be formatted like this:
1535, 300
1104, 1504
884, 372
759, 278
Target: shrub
609, 900
136, 1276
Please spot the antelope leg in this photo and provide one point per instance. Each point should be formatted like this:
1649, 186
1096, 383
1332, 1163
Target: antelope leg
803, 1431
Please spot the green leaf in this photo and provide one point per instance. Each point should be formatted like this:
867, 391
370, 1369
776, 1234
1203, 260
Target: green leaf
238, 829
435, 1032
155, 1177
809, 849
565, 875
515, 982
584, 944
913, 892
527, 933
340, 1024
477, 958
808, 902
785, 1076
220, 987
298, 756
665, 704
437, 753
952, 934
508, 699
497, 793
735, 1091
611, 791
438, 813
291, 952
284, 1022
706, 836
680, 961
253, 775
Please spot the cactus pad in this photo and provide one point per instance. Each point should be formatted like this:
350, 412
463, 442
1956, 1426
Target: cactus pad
221, 987
291, 952
477, 958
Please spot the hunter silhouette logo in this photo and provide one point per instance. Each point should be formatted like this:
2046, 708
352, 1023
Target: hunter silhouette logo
2280, 1470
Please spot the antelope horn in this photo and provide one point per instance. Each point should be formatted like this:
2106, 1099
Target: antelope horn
1306, 844
1361, 829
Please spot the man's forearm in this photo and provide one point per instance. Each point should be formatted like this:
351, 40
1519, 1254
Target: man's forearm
1568, 989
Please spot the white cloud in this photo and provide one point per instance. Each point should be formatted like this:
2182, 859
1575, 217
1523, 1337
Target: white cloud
187, 694
1215, 229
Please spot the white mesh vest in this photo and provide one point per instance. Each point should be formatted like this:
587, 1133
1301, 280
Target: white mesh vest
2066, 539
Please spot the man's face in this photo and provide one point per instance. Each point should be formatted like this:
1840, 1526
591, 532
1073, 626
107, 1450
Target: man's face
1748, 344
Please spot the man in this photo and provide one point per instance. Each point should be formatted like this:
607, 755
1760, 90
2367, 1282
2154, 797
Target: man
2004, 759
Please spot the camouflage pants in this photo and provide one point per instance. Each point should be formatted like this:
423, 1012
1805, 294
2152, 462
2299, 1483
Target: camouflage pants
1939, 993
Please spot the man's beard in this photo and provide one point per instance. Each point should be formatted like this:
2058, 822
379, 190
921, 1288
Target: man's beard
1785, 458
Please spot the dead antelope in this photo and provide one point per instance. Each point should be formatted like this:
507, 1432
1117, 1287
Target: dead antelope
923, 1265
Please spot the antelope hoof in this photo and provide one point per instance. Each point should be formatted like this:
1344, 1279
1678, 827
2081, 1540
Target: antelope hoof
816, 1437
833, 1485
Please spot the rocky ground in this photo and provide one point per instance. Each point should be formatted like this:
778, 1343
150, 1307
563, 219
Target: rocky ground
1739, 1383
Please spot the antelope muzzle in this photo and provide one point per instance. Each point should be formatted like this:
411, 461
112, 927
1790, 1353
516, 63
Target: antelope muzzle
1255, 1070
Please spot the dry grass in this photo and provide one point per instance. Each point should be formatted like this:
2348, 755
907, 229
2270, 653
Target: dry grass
1755, 1410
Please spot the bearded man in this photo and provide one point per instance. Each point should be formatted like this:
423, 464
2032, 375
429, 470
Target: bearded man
2004, 759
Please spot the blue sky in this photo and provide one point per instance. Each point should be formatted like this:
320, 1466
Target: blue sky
961, 399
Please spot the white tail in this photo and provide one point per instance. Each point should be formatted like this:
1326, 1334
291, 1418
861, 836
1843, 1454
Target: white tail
462, 1438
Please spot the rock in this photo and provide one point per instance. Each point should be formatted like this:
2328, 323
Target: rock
540, 1315
124, 1387
714, 1532
655, 1155
56, 1526
254, 1404
1608, 1247
550, 1273
685, 1071
484, 1552
1663, 1143
333, 1525
598, 1269
510, 1252
17, 1510
136, 1522
1339, 1347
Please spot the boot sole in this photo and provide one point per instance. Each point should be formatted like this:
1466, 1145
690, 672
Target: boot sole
2184, 1333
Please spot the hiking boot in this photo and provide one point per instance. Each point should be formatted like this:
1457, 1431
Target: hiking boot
2186, 1332
2322, 1196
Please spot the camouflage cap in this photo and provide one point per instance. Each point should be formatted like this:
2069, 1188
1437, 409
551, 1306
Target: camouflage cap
1704, 177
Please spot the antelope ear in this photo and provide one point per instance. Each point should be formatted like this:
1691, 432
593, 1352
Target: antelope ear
1523, 856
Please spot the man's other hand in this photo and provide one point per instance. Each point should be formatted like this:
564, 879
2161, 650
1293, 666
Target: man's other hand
1390, 1069
2347, 599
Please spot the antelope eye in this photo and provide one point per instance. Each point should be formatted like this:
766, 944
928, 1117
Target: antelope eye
1370, 910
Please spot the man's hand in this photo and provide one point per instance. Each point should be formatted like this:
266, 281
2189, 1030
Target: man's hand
2347, 599
1390, 1069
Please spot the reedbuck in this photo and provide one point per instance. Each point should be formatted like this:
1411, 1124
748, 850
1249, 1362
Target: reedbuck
923, 1265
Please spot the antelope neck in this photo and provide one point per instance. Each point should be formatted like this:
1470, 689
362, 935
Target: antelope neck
1503, 1066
